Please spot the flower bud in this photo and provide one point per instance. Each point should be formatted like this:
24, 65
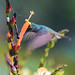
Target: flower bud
8, 9
12, 21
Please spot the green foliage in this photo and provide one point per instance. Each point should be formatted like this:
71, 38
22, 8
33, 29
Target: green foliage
64, 31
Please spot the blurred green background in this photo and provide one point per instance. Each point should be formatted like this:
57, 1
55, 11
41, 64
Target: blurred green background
57, 14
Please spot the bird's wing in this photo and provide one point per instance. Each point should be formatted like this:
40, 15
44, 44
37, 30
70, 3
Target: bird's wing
39, 40
31, 32
29, 35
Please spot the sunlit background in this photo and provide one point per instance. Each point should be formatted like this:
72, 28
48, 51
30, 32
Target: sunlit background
58, 15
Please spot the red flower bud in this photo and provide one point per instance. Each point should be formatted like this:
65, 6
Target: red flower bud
8, 9
10, 36
14, 48
12, 21
17, 65
18, 47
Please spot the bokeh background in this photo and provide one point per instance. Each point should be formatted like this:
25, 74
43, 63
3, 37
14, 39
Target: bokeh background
57, 14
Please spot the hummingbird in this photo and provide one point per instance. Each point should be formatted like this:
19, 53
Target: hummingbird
40, 35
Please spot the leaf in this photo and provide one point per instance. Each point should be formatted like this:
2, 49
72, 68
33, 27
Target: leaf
64, 31
60, 73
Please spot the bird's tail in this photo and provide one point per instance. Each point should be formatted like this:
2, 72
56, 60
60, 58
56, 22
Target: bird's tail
66, 37
59, 36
